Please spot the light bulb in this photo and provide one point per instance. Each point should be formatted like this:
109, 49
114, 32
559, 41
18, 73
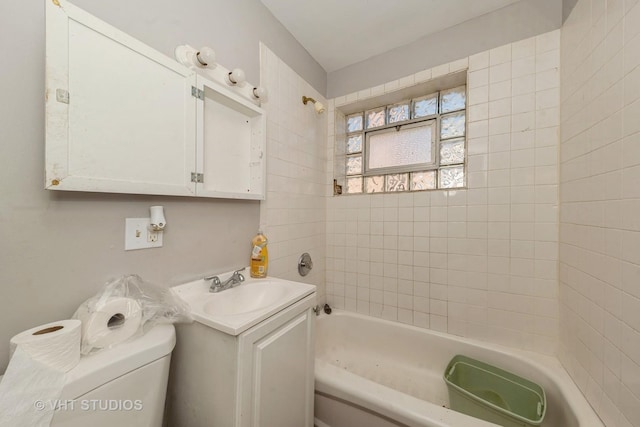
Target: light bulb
237, 77
319, 107
206, 57
260, 93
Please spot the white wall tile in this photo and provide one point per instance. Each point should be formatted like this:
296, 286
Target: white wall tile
479, 61
293, 216
430, 257
500, 55
523, 48
598, 253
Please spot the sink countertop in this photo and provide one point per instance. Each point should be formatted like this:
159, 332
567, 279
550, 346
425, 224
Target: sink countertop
237, 309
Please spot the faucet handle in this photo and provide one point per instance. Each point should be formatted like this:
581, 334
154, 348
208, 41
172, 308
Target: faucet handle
216, 280
239, 275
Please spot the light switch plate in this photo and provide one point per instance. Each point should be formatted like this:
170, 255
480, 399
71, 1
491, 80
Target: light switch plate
136, 234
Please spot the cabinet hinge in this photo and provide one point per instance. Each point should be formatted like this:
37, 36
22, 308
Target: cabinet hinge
197, 177
198, 93
62, 96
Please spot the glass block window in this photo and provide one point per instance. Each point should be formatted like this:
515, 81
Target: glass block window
453, 99
425, 106
423, 180
375, 118
397, 182
452, 152
451, 177
354, 185
412, 145
374, 184
452, 125
354, 144
398, 113
354, 165
354, 122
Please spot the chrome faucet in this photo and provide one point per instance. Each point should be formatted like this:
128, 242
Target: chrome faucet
218, 286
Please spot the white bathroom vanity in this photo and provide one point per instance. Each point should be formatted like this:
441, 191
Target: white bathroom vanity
248, 358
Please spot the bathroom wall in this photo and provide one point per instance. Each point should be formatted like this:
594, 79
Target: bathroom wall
293, 214
517, 21
600, 206
479, 262
232, 29
58, 248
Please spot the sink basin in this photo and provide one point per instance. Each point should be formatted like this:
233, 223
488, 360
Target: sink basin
244, 298
235, 310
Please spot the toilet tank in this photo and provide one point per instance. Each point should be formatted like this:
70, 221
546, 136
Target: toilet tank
122, 386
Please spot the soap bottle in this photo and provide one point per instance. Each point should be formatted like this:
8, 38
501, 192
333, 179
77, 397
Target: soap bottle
259, 256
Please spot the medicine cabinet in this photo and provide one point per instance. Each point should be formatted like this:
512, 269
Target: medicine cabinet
123, 118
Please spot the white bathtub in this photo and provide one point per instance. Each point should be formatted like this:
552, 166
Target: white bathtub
375, 373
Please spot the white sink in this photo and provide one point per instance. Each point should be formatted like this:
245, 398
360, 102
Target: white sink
246, 298
235, 310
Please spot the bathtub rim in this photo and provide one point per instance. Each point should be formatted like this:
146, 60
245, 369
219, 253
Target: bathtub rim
371, 395
333, 382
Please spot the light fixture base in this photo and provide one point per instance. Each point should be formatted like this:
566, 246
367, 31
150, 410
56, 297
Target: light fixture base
184, 55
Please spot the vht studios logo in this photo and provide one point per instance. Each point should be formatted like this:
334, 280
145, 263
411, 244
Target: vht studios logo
107, 405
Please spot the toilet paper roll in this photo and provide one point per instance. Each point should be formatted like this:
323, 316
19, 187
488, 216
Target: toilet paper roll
109, 322
55, 345
25, 386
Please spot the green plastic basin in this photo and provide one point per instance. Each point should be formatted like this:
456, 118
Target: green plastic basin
493, 394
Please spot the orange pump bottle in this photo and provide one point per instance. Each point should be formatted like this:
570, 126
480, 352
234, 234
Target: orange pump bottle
259, 256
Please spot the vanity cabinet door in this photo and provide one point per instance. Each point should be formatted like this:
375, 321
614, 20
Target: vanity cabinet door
120, 116
277, 370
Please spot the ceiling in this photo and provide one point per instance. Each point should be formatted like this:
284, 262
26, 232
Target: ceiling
338, 33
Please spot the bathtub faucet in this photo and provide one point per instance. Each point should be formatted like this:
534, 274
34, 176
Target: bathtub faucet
218, 286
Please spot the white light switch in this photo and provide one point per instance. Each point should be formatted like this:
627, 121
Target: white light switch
138, 236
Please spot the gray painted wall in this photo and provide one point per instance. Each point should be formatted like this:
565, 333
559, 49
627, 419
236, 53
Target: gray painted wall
567, 7
517, 21
58, 248
232, 28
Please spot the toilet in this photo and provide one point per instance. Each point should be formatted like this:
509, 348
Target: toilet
122, 386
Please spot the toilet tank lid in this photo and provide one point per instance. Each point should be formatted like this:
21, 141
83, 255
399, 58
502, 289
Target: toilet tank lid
106, 365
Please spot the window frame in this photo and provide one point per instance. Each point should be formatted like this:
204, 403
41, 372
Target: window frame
414, 167
434, 167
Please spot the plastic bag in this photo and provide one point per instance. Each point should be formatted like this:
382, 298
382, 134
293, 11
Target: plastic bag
126, 308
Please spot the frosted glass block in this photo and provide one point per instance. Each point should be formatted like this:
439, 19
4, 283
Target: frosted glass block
375, 118
451, 177
423, 180
354, 144
452, 125
425, 106
374, 184
354, 122
452, 152
354, 165
453, 99
398, 113
397, 182
354, 185
411, 145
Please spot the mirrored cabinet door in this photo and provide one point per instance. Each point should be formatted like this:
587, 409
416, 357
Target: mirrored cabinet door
120, 116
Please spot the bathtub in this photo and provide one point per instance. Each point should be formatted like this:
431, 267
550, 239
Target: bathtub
376, 373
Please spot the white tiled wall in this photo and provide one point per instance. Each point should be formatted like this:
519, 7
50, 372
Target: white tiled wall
479, 262
600, 206
293, 214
